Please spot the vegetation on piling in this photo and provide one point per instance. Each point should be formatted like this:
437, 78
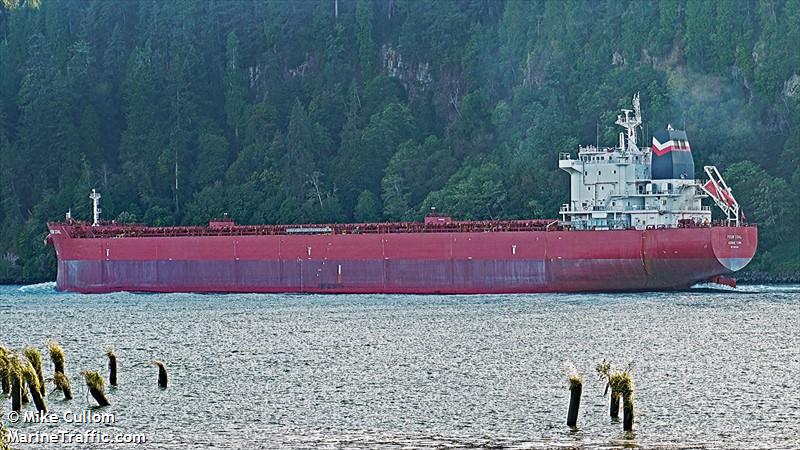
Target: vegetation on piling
97, 386
4, 445
4, 377
34, 356
575, 389
14, 373
621, 383
575, 379
63, 384
56, 356
618, 380
36, 390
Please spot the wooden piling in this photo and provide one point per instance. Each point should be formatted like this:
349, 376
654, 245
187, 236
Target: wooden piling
62, 383
34, 356
614, 379
627, 406
32, 379
56, 356
112, 366
622, 383
96, 387
16, 392
24, 391
162, 374
14, 369
575, 390
5, 380
614, 408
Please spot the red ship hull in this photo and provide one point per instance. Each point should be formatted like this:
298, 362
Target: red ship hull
462, 262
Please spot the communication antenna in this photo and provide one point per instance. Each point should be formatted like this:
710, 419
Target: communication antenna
95, 196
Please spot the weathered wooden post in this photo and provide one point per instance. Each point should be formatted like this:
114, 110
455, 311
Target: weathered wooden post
622, 382
60, 378
62, 383
627, 402
32, 378
13, 365
4, 377
23, 390
162, 374
575, 390
607, 372
16, 392
96, 387
112, 366
34, 356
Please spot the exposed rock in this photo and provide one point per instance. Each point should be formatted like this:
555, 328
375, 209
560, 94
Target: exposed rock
791, 88
617, 59
416, 77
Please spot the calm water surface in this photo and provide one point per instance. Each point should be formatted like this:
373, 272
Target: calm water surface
713, 369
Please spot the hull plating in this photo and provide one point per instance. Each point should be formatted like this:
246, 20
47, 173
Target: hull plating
500, 262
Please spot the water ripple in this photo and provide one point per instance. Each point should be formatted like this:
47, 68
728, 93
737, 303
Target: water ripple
712, 369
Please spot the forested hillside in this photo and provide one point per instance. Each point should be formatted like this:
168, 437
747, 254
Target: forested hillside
339, 110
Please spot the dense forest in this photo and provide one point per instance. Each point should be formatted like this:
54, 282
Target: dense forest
340, 110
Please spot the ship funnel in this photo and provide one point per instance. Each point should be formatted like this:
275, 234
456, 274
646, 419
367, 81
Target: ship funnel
672, 155
95, 196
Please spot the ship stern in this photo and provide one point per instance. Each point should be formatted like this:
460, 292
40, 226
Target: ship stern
734, 247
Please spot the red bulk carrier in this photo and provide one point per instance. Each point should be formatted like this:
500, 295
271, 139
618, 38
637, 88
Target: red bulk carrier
634, 222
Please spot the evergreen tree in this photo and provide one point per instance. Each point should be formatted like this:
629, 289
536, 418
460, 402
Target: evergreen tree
367, 110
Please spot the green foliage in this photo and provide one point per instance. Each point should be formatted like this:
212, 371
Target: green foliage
287, 112
56, 352
367, 208
770, 202
94, 380
475, 192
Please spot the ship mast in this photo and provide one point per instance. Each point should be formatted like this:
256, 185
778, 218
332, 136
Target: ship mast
95, 196
630, 123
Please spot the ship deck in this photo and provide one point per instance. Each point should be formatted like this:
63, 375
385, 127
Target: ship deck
78, 230
218, 228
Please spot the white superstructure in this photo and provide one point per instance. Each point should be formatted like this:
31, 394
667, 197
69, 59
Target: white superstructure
614, 187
